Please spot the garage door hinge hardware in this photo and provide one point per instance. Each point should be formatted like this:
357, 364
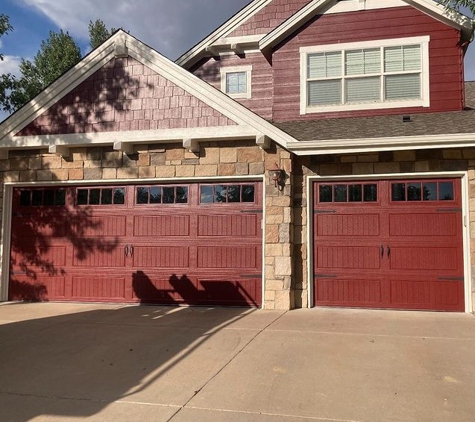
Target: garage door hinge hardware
324, 276
451, 279
324, 211
253, 211
251, 276
449, 209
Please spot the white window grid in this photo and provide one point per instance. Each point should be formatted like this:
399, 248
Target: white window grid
422, 101
225, 71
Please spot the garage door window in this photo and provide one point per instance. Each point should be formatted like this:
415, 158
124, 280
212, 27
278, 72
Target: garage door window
222, 194
150, 195
348, 193
42, 197
422, 191
100, 196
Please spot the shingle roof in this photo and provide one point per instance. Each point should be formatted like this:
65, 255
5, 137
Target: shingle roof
457, 122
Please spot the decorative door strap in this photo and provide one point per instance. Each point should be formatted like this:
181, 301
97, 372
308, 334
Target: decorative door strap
451, 279
324, 276
251, 276
324, 211
449, 209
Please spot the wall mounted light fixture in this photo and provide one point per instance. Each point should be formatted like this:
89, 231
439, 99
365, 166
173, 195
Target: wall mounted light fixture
278, 176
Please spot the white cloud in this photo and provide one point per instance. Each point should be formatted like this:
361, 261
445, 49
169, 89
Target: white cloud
10, 64
171, 27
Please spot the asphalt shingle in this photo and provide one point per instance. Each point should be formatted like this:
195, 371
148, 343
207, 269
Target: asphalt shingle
455, 122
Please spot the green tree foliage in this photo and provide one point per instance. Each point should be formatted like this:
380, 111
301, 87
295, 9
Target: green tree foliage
458, 4
5, 28
56, 55
98, 33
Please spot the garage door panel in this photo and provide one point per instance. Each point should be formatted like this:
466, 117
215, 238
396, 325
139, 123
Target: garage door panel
228, 225
347, 225
42, 288
98, 288
161, 257
348, 292
346, 257
424, 258
229, 257
424, 225
162, 225
111, 226
91, 257
25, 227
52, 258
230, 292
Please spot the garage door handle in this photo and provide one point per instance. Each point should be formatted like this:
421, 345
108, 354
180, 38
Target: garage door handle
131, 250
389, 251
382, 251
126, 250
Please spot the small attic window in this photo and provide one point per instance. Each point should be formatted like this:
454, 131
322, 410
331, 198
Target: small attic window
236, 81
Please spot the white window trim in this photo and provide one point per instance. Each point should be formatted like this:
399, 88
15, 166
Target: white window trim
424, 101
248, 69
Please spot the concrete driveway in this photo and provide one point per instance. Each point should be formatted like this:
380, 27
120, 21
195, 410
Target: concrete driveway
71, 362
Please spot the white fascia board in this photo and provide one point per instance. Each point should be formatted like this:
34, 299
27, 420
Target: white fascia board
434, 9
192, 56
438, 11
294, 22
244, 40
216, 133
58, 89
365, 145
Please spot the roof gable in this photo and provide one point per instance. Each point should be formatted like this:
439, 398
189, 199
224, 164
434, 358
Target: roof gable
264, 23
111, 94
316, 7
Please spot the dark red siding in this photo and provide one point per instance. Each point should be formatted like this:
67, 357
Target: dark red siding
262, 79
446, 69
125, 95
190, 253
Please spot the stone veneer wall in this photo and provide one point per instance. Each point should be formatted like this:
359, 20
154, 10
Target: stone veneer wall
388, 162
173, 161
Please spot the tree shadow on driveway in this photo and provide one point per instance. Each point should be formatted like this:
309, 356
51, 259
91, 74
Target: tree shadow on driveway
76, 364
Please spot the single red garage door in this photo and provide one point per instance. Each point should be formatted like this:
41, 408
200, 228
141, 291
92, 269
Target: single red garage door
197, 244
389, 244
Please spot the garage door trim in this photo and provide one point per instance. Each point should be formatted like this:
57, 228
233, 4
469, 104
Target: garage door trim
311, 180
8, 204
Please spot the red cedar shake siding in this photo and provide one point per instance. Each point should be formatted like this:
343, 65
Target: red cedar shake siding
262, 86
445, 57
125, 95
269, 17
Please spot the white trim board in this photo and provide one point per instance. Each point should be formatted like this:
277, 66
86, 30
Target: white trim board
363, 145
310, 180
316, 7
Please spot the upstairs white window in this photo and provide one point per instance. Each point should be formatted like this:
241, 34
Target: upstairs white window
236, 81
367, 75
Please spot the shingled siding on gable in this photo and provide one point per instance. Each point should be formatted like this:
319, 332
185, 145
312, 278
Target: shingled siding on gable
445, 61
125, 95
269, 17
387, 162
261, 79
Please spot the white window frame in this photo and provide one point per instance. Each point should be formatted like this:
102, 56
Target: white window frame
235, 69
424, 101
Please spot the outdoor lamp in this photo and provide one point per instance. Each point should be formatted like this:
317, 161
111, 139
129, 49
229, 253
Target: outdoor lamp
278, 176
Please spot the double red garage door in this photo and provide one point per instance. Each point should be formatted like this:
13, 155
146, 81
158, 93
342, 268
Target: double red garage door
198, 244
389, 244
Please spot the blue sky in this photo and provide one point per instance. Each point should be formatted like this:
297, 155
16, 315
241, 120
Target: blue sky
169, 26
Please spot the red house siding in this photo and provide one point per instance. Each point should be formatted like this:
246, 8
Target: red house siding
445, 57
125, 95
262, 86
269, 17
